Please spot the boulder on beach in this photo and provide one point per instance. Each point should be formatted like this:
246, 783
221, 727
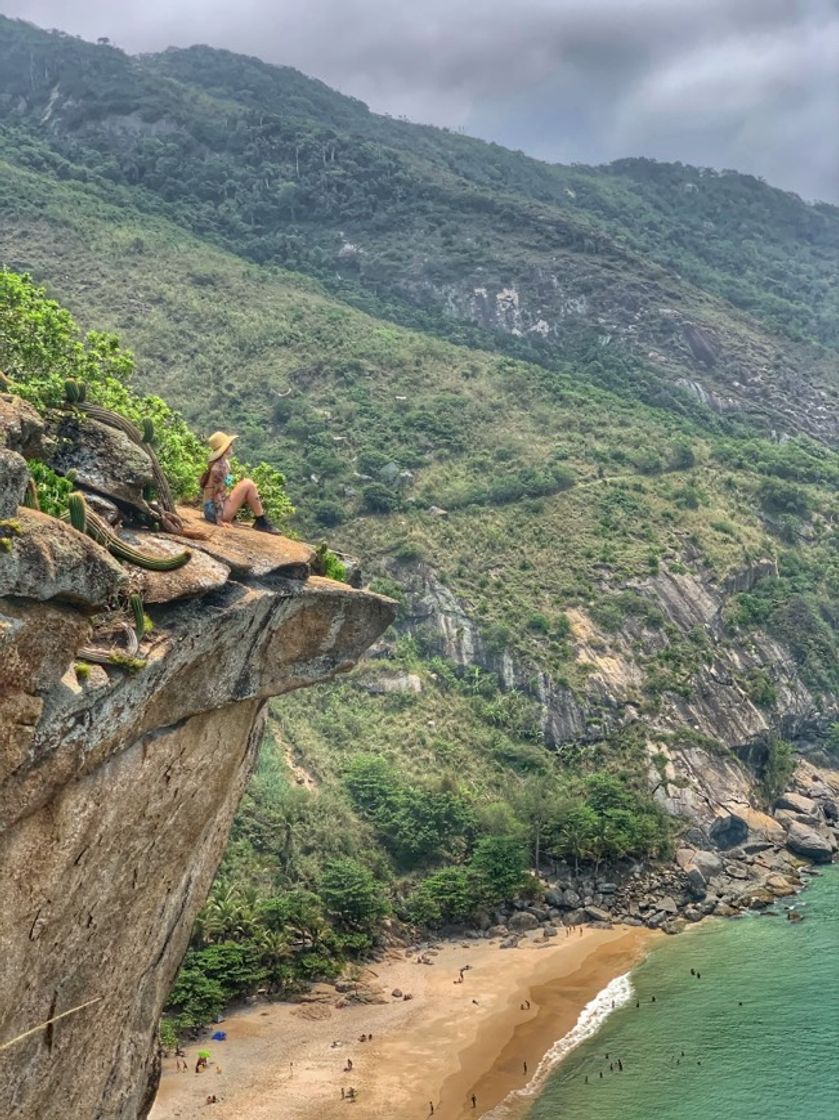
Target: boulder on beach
597, 915
524, 921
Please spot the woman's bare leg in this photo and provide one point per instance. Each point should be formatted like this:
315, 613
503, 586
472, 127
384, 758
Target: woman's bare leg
243, 493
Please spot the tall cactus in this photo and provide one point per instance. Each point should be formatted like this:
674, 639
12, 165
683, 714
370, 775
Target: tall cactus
83, 519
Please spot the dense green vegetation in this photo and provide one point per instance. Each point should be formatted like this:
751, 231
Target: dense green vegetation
287, 265
319, 857
41, 349
404, 221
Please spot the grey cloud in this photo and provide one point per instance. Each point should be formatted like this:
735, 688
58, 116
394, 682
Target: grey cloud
750, 84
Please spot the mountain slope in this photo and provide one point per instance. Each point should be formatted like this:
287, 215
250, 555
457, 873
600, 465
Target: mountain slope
449, 234
582, 436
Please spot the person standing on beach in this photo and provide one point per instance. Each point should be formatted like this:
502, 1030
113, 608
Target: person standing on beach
474, 1101
524, 1066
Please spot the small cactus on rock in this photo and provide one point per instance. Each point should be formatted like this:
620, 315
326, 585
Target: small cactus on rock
75, 391
83, 519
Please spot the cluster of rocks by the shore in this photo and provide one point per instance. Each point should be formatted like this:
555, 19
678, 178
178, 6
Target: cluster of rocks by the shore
742, 862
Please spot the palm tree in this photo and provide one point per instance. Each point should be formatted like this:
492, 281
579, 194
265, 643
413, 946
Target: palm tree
229, 915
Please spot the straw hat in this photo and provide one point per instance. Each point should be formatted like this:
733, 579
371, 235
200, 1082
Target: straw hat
219, 444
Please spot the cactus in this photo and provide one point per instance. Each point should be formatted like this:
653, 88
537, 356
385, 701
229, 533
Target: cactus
86, 521
148, 431
113, 420
77, 510
136, 604
75, 391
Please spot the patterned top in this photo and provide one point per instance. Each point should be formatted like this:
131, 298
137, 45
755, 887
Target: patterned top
216, 489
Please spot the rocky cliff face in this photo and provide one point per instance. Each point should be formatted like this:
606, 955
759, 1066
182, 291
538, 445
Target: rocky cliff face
705, 732
117, 789
725, 360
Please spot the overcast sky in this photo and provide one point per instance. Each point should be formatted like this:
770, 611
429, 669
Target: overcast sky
747, 84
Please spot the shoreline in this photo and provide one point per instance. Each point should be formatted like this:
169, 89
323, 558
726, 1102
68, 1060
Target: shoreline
447, 1041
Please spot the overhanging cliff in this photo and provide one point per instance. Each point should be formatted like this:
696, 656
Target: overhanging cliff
117, 789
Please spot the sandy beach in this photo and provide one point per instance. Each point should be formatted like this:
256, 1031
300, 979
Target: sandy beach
448, 1041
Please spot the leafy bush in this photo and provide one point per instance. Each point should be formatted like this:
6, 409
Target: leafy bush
53, 489
681, 457
498, 865
606, 817
195, 999
447, 896
777, 768
328, 513
760, 689
539, 624
611, 611
352, 895
378, 498
41, 348
777, 496
417, 825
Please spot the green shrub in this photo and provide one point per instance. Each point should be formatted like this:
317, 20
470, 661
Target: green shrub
777, 768
681, 457
196, 998
328, 513
498, 864
417, 824
378, 498
539, 624
53, 489
777, 496
612, 611
447, 896
760, 689
351, 894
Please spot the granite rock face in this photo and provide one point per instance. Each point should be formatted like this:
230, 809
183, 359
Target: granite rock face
13, 478
117, 790
809, 843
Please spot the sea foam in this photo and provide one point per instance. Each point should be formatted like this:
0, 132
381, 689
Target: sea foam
617, 993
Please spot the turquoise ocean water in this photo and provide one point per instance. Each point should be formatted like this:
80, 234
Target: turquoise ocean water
776, 1057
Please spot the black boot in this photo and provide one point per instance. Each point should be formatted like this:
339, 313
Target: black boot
263, 525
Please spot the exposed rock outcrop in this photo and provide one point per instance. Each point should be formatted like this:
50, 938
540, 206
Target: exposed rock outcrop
730, 368
706, 738
809, 843
117, 789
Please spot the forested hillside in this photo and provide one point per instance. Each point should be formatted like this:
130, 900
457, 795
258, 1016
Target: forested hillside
578, 421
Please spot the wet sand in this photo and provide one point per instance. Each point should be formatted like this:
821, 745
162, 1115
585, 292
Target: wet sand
439, 1047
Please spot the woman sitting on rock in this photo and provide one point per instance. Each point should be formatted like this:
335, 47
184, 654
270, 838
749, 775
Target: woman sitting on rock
221, 504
